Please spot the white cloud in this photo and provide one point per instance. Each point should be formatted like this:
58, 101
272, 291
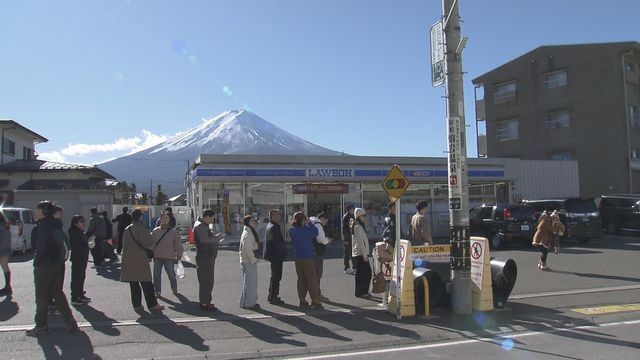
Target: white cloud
119, 147
51, 156
130, 145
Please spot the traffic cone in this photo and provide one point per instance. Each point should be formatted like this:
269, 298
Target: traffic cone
192, 239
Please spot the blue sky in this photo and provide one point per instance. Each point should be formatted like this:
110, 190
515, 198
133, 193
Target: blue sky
101, 79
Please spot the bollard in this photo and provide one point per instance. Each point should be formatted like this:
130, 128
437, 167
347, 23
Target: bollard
503, 278
428, 290
191, 239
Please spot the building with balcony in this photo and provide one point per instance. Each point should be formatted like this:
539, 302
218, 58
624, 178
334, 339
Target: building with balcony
567, 102
25, 180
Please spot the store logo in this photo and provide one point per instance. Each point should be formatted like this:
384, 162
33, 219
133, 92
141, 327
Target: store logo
329, 173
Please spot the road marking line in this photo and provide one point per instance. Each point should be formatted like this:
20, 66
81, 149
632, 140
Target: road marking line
574, 292
599, 310
497, 340
195, 319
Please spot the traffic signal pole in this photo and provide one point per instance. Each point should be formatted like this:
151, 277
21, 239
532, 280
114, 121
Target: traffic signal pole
457, 161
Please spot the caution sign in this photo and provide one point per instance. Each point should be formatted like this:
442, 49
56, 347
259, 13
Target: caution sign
481, 289
396, 183
433, 253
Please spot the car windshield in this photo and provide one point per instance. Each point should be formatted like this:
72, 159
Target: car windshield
12, 216
580, 206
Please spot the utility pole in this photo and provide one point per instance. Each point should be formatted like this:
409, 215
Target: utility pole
457, 161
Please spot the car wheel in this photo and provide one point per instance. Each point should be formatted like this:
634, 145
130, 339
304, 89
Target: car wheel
496, 240
612, 229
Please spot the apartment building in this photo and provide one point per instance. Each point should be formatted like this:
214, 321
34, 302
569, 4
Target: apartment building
567, 102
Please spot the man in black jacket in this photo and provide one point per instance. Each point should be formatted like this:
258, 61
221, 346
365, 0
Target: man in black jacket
276, 252
47, 263
97, 227
123, 221
207, 251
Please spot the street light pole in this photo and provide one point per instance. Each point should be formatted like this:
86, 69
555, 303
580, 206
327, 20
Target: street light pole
457, 161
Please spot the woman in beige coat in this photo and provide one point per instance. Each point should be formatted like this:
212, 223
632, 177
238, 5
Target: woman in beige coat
135, 263
167, 251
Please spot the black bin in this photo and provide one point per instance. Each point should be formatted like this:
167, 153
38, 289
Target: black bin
436, 288
503, 279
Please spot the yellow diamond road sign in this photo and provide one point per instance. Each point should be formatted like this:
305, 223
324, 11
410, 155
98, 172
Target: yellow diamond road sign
395, 184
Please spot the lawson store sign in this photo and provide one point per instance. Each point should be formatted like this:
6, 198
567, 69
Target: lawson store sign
328, 173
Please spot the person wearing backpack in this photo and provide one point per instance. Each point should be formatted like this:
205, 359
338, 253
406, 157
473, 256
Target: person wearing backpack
167, 251
48, 257
319, 246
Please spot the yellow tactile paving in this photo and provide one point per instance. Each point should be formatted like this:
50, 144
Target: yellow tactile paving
599, 310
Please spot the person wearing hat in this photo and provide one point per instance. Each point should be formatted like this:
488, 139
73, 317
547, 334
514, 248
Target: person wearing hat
360, 252
346, 238
420, 231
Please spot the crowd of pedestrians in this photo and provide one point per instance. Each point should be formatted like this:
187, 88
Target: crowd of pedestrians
162, 246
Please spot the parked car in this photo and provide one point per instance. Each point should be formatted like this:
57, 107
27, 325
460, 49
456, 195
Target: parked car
580, 216
22, 222
620, 212
502, 223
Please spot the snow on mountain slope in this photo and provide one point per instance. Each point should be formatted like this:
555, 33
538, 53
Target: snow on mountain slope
231, 132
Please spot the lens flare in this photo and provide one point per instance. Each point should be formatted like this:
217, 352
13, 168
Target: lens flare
193, 59
180, 47
507, 345
227, 91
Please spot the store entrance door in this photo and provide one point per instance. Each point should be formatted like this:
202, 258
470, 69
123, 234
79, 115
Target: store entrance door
329, 203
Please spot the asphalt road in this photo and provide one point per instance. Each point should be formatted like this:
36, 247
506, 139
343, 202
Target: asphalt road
591, 275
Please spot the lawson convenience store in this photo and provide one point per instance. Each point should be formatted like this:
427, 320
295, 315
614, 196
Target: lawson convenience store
235, 185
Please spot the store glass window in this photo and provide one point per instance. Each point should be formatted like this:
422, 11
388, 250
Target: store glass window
227, 202
260, 199
375, 201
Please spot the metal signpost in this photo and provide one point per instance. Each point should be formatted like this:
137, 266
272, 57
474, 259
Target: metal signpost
445, 37
395, 184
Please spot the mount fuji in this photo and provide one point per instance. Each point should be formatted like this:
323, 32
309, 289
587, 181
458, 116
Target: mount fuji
231, 132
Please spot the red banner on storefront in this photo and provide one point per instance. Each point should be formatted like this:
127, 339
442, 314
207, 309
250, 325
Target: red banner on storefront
321, 189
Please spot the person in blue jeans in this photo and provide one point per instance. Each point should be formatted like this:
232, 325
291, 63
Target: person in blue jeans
167, 251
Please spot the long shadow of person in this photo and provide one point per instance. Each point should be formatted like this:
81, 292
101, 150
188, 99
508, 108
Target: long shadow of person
180, 334
259, 330
8, 308
185, 306
72, 346
111, 272
305, 326
98, 320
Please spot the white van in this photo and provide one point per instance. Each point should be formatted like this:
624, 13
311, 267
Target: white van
22, 222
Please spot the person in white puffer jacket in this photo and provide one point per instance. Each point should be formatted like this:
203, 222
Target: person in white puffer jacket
319, 246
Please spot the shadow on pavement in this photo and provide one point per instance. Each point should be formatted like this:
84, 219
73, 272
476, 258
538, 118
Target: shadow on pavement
108, 271
259, 330
99, 320
305, 326
180, 334
21, 258
8, 309
486, 326
72, 346
598, 276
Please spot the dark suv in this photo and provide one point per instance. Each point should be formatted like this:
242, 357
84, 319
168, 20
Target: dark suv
502, 223
620, 212
580, 216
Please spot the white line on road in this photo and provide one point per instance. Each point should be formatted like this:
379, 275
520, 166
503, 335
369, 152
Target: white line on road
470, 341
574, 292
165, 320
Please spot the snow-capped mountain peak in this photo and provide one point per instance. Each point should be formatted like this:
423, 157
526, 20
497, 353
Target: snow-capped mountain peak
231, 132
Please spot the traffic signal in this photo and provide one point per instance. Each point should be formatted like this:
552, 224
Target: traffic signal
395, 184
